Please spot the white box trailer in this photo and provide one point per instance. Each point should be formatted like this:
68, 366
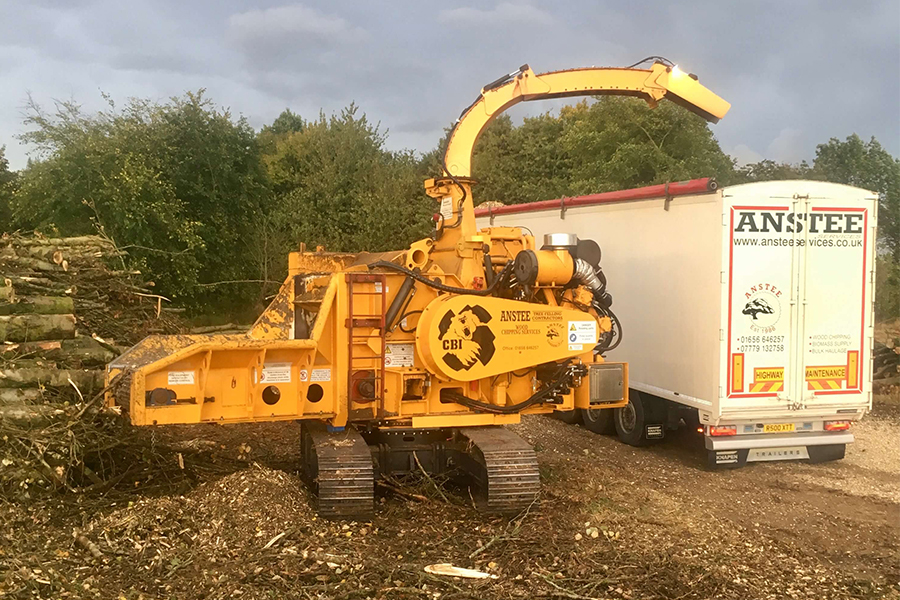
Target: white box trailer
752, 304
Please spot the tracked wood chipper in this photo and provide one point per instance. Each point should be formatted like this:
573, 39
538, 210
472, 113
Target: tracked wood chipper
415, 359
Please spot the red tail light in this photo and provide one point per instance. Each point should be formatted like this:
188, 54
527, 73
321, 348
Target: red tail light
837, 425
722, 430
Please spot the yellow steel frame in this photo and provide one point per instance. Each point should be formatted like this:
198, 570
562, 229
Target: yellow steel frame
652, 84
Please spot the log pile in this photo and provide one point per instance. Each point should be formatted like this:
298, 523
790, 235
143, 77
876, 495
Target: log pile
68, 306
886, 367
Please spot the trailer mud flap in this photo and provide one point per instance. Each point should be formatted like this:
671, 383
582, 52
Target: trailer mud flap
727, 459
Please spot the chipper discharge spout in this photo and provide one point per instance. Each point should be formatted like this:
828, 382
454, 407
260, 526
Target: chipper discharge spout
414, 358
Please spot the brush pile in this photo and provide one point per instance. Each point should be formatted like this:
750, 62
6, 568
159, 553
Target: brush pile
886, 356
887, 363
67, 307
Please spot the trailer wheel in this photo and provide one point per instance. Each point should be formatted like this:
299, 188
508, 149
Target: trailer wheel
571, 417
630, 420
598, 420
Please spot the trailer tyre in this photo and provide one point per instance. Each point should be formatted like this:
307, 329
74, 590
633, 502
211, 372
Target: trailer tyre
598, 420
571, 417
630, 421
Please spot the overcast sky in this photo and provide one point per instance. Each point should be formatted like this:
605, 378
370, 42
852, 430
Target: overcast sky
797, 72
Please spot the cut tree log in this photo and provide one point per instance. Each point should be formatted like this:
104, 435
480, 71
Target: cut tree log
57, 254
38, 305
79, 352
35, 264
36, 286
19, 396
87, 381
33, 415
6, 292
38, 281
84, 240
31, 363
28, 328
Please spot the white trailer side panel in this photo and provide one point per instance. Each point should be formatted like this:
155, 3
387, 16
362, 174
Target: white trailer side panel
664, 270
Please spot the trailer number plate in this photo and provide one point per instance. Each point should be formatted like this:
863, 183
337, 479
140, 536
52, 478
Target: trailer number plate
778, 427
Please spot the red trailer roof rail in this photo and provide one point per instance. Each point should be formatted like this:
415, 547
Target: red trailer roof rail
668, 190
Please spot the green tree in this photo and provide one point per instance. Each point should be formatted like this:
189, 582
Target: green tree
174, 184
887, 288
619, 143
867, 165
337, 186
286, 123
525, 163
769, 170
7, 188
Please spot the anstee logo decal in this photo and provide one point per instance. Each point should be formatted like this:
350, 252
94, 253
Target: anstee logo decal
763, 307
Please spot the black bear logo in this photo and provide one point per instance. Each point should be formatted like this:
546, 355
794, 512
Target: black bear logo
757, 306
466, 338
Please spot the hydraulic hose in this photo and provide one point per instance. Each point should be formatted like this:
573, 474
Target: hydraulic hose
489, 290
563, 381
493, 408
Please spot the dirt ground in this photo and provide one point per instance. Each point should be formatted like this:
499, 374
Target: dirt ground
612, 522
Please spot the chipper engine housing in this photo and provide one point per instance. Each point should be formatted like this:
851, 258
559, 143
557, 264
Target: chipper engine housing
411, 359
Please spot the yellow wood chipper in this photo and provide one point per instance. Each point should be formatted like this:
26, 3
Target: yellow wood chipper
414, 359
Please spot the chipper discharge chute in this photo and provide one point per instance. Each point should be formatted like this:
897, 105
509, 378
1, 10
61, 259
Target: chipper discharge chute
414, 359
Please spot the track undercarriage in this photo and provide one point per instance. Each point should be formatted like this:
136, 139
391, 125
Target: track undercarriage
498, 467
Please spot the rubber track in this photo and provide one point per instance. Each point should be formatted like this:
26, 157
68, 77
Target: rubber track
344, 477
513, 480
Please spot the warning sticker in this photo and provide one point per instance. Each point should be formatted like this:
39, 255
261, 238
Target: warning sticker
181, 378
576, 347
582, 332
276, 373
769, 374
321, 375
447, 207
304, 375
398, 355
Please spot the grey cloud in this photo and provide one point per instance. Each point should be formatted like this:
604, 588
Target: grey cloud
164, 62
796, 73
291, 20
503, 13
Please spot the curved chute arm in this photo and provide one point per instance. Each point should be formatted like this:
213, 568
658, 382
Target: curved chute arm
654, 84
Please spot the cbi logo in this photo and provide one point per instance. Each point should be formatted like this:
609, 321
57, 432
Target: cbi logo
466, 338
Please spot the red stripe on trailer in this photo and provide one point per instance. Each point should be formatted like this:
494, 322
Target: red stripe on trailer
679, 188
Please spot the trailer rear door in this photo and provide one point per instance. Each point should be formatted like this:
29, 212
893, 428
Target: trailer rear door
797, 298
760, 290
835, 324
